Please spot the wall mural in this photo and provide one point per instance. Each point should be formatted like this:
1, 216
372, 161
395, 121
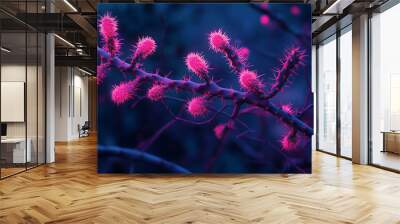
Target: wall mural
204, 88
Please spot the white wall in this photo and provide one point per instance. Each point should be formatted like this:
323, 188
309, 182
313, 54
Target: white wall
80, 110
16, 73
71, 102
61, 103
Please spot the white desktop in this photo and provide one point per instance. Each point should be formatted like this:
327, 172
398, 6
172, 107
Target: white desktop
16, 146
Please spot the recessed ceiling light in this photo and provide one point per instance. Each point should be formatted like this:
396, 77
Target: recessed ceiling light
5, 50
84, 71
337, 7
64, 40
70, 5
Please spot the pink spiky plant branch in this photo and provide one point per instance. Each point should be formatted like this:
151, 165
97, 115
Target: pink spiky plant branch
253, 94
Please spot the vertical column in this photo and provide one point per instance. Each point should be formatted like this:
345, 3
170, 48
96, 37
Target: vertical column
360, 90
314, 88
338, 91
50, 92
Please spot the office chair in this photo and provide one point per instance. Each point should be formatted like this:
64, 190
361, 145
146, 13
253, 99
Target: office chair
84, 130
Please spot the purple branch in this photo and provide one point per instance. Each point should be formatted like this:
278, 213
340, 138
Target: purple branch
212, 89
301, 113
176, 117
292, 60
147, 143
227, 127
234, 60
133, 154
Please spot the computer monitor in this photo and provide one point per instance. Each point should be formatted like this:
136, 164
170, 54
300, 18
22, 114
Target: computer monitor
3, 129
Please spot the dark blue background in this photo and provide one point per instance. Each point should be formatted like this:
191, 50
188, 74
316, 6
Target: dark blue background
182, 28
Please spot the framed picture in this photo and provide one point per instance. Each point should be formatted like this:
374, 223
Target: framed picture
204, 88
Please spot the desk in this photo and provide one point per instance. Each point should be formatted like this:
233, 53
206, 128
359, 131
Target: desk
16, 147
391, 141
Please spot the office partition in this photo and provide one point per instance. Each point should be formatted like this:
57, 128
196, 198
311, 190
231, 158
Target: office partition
22, 76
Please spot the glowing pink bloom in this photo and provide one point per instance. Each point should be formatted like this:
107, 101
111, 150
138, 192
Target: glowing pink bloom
108, 26
264, 20
295, 10
197, 106
219, 130
156, 92
243, 53
249, 81
196, 63
145, 47
289, 142
218, 41
288, 108
123, 92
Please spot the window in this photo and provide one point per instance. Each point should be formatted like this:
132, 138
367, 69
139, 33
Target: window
385, 89
346, 92
327, 96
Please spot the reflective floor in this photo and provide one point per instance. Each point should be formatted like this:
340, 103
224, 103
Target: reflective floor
387, 159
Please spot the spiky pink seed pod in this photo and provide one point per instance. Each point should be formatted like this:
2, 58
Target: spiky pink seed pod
197, 106
249, 81
196, 63
145, 47
108, 27
288, 108
156, 92
289, 142
218, 41
219, 130
243, 54
123, 92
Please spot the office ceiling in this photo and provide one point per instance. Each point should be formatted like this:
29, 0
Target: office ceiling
76, 21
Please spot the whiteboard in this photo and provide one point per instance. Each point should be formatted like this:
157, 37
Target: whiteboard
12, 101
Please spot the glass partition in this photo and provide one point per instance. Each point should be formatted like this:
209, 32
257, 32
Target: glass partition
22, 76
14, 145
